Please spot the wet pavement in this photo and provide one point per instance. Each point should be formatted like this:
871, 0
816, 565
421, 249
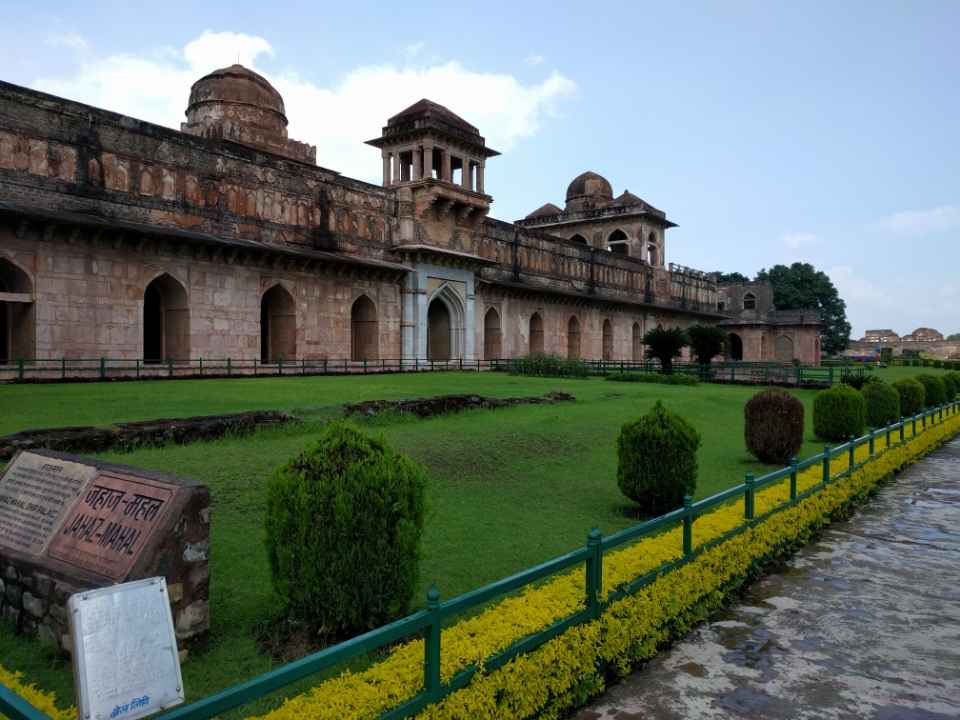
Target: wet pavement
863, 624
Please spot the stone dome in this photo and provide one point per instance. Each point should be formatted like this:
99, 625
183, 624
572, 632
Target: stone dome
235, 103
587, 191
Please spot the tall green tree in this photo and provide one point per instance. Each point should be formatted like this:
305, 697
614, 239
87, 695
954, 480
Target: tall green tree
706, 341
953, 337
802, 287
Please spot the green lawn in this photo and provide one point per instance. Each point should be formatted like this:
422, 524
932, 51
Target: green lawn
507, 488
897, 372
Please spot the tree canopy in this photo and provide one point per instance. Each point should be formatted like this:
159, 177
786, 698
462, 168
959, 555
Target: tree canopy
953, 337
730, 278
802, 287
665, 344
707, 341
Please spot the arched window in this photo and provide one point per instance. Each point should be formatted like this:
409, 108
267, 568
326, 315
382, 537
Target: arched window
17, 324
536, 334
735, 347
166, 320
573, 338
491, 335
438, 331
364, 330
607, 340
617, 243
749, 301
278, 326
653, 255
783, 348
578, 238
637, 343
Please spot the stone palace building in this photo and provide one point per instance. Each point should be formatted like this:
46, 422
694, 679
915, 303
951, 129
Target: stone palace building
123, 239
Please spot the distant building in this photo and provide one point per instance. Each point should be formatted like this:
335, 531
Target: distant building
880, 336
924, 334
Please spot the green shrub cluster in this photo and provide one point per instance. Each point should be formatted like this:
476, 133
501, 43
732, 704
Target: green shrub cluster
913, 395
883, 403
936, 391
343, 526
657, 460
838, 413
773, 426
952, 382
652, 377
549, 366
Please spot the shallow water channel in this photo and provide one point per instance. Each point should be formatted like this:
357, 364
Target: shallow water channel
865, 623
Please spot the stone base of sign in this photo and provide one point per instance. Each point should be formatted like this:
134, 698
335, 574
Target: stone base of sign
34, 588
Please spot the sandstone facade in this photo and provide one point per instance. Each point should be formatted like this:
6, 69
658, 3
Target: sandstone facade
123, 239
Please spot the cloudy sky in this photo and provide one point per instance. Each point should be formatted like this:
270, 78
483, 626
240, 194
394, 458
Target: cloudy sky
770, 132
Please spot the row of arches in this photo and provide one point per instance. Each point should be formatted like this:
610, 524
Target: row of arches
783, 348
166, 324
618, 242
493, 343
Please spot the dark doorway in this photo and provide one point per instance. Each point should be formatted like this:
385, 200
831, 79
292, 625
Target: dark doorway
491, 335
736, 347
17, 329
573, 339
278, 326
536, 334
607, 340
166, 321
364, 330
438, 331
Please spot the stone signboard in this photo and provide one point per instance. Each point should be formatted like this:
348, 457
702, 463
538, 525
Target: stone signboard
69, 524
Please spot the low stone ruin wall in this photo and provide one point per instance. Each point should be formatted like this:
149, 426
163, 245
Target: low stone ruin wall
441, 404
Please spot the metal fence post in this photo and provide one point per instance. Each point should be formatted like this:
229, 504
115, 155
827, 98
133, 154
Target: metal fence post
888, 436
431, 647
229, 367
63, 369
103, 368
748, 497
138, 367
687, 526
201, 366
902, 428
20, 368
594, 571
872, 442
826, 464
169, 367
794, 469
913, 421
851, 454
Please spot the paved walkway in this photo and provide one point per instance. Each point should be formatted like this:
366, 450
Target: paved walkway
863, 624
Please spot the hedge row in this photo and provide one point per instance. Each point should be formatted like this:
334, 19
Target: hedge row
652, 377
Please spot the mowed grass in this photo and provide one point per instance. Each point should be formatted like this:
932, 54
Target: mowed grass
507, 488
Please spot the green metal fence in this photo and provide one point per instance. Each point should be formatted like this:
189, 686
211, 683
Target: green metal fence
429, 621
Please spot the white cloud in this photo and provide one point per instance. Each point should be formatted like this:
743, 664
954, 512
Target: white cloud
70, 40
798, 240
414, 49
916, 223
535, 59
154, 86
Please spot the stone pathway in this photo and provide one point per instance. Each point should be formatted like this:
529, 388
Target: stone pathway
863, 624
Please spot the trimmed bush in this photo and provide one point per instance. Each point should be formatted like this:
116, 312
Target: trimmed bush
657, 460
343, 523
936, 390
773, 426
549, 366
883, 403
652, 377
952, 383
838, 413
913, 395
665, 344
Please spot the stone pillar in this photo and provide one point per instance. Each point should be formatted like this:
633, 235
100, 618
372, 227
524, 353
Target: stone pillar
470, 330
465, 173
415, 164
408, 321
445, 172
427, 161
386, 168
480, 167
420, 311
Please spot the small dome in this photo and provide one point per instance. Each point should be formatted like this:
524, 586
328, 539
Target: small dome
588, 190
547, 210
237, 84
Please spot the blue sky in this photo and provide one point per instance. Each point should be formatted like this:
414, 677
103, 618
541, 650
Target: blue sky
770, 132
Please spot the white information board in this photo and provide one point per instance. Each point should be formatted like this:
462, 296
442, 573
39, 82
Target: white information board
125, 661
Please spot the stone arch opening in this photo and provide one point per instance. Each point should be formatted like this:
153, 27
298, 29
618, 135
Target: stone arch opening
749, 301
652, 254
364, 330
536, 334
783, 348
445, 324
278, 325
17, 317
580, 239
735, 347
573, 338
492, 336
607, 340
166, 320
637, 343
617, 243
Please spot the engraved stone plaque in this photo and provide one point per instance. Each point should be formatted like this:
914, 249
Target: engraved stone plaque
125, 660
35, 493
111, 523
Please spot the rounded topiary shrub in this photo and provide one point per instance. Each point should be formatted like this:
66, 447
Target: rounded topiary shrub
773, 426
912, 396
838, 413
935, 389
343, 523
657, 460
951, 384
883, 403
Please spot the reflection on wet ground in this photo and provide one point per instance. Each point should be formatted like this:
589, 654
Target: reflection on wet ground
863, 624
